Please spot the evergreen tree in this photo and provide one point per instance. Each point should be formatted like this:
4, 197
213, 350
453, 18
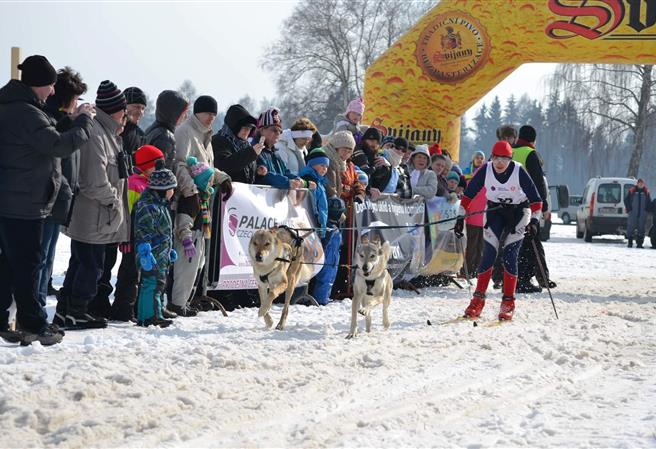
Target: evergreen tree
511, 112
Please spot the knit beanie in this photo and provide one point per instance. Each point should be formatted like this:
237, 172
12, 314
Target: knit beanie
147, 156
109, 98
270, 117
453, 176
200, 171
336, 207
478, 153
421, 149
527, 133
316, 157
342, 139
162, 178
372, 133
362, 176
401, 142
205, 103
356, 105
36, 71
387, 139
134, 95
435, 149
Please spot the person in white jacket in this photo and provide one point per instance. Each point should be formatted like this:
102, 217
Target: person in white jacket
423, 180
293, 143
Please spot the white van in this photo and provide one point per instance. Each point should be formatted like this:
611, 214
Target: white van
602, 208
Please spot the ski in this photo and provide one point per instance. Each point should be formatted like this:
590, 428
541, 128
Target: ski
494, 323
453, 320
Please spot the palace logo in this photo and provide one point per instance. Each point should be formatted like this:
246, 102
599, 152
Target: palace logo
452, 47
594, 19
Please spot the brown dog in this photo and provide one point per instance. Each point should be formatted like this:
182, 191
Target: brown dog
277, 257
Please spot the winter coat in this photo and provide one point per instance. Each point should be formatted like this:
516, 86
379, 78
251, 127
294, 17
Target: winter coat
152, 224
343, 124
30, 152
192, 138
133, 137
137, 183
170, 105
100, 214
637, 203
291, 155
351, 187
70, 169
231, 154
378, 176
319, 196
426, 183
442, 186
278, 175
334, 186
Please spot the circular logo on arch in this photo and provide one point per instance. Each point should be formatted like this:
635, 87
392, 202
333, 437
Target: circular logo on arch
452, 47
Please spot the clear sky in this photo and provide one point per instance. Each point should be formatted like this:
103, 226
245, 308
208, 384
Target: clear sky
156, 45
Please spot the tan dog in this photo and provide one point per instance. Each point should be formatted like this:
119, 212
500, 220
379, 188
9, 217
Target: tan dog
372, 284
276, 256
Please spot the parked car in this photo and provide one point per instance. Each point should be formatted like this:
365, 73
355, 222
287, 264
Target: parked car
602, 208
568, 214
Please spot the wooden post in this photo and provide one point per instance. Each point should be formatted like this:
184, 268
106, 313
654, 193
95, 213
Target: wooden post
15, 60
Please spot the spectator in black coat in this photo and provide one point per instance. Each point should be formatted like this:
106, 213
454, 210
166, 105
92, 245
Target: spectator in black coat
30, 179
370, 160
233, 153
133, 135
170, 111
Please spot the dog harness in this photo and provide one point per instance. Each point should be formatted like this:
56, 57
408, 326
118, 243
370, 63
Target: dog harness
370, 285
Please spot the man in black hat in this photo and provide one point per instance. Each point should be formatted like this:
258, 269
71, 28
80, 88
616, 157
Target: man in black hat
30, 179
132, 134
371, 161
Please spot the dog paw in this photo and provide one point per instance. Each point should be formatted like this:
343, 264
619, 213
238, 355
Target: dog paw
350, 336
363, 312
268, 321
280, 327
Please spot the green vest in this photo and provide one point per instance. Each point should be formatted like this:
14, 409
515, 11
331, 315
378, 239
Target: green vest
520, 154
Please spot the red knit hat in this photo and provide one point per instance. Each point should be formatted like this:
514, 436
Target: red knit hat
435, 149
502, 148
145, 157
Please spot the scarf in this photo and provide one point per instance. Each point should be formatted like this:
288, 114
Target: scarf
235, 141
393, 157
204, 197
334, 158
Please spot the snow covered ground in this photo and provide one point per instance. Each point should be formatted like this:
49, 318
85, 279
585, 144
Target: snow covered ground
585, 380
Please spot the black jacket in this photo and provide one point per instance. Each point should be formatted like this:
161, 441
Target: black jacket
378, 176
133, 138
170, 105
234, 156
30, 152
534, 168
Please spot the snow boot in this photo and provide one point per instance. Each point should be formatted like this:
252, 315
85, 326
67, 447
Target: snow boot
155, 322
48, 336
184, 311
630, 244
475, 306
100, 307
122, 311
168, 314
507, 308
9, 336
639, 242
52, 291
78, 318
528, 287
60, 311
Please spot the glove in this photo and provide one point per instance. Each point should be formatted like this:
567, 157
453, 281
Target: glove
146, 258
358, 199
189, 248
532, 227
226, 189
459, 227
125, 247
173, 255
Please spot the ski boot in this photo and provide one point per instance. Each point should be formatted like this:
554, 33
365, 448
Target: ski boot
475, 306
507, 308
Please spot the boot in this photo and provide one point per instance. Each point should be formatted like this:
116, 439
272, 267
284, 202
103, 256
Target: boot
99, 307
122, 311
630, 245
528, 287
168, 314
48, 336
61, 310
475, 306
77, 316
154, 322
52, 291
186, 311
639, 242
8, 335
507, 308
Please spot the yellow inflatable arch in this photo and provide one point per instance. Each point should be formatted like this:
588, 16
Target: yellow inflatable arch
461, 49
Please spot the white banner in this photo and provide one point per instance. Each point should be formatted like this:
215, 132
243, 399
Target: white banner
253, 207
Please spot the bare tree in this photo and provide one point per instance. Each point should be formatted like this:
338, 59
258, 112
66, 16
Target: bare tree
188, 89
326, 47
620, 98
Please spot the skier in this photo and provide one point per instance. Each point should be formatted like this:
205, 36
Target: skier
517, 206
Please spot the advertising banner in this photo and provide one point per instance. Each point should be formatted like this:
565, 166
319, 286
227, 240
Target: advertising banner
444, 251
407, 243
251, 208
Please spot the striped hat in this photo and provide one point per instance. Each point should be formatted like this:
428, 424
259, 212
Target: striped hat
134, 95
270, 117
109, 98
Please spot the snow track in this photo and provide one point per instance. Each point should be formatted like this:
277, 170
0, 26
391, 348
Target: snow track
586, 380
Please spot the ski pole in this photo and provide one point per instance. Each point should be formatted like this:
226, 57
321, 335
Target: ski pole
542, 272
464, 263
